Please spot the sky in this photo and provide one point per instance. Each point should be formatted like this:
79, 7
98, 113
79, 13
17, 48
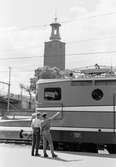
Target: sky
88, 27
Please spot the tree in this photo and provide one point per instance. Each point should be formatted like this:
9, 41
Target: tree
67, 73
48, 73
27, 88
44, 73
33, 84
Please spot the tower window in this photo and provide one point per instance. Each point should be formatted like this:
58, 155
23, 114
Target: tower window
55, 32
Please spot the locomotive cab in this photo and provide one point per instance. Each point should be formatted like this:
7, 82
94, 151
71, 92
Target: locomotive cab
87, 107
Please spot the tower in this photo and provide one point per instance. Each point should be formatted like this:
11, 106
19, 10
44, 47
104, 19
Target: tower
54, 50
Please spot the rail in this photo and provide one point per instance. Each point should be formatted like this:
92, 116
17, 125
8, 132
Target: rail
15, 141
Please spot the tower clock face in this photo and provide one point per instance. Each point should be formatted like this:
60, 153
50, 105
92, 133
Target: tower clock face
97, 94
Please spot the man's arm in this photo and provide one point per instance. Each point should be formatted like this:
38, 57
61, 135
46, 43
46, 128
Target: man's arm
32, 123
53, 116
43, 122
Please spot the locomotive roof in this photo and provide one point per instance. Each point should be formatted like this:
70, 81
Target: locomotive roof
41, 81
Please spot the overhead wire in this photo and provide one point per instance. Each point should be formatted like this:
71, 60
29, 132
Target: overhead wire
92, 39
39, 27
70, 54
90, 16
67, 54
68, 42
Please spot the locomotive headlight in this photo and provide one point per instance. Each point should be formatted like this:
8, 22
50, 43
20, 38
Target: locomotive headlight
76, 135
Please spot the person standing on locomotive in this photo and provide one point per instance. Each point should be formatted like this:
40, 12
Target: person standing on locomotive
45, 129
36, 123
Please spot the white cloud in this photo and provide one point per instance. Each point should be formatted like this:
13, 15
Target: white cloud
78, 10
106, 5
99, 25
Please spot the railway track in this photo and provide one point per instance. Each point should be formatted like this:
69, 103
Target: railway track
15, 141
29, 141
19, 135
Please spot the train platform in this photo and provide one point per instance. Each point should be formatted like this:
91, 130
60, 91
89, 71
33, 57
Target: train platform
12, 155
16, 122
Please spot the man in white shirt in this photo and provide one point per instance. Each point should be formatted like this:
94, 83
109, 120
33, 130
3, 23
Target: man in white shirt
36, 123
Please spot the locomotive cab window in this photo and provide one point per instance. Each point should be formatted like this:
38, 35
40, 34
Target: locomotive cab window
52, 93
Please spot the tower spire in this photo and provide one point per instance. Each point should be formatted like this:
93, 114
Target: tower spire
55, 35
55, 18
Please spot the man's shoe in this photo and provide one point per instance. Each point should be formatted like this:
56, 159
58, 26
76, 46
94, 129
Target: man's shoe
45, 155
54, 156
32, 154
37, 155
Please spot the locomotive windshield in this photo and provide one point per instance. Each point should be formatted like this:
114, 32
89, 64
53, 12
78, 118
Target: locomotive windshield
52, 93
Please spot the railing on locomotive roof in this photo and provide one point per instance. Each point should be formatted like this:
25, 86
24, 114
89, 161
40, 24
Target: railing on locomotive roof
98, 71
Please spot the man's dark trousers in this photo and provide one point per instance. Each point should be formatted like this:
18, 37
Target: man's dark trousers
35, 140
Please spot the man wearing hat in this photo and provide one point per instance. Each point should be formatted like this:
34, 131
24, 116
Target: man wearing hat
45, 128
36, 122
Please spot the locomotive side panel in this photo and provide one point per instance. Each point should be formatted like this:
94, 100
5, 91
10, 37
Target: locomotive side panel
81, 108
79, 93
87, 109
87, 120
82, 93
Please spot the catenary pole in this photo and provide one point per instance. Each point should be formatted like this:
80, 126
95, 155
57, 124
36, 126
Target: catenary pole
8, 105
